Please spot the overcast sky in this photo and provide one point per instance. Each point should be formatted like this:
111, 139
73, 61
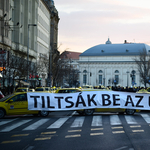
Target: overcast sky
86, 23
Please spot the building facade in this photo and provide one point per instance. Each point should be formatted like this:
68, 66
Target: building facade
25, 28
111, 64
43, 40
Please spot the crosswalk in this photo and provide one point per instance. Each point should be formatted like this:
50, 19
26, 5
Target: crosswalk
7, 125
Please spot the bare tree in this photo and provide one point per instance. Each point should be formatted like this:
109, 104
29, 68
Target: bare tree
143, 65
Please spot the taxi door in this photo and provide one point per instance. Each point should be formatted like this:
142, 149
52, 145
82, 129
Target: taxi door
18, 104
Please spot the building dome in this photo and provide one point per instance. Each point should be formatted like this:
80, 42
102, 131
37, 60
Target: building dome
108, 42
131, 49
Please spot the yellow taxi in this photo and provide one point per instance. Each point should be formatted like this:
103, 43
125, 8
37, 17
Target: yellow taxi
40, 89
118, 110
87, 87
47, 89
68, 90
17, 104
22, 89
53, 89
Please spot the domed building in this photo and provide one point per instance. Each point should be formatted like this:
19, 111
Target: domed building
111, 64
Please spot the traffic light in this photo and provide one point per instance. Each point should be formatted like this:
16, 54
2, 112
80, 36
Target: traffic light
2, 68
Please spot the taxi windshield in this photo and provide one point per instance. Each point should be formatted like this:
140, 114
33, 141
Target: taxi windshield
6, 97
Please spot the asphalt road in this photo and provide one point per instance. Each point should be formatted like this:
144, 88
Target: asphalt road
69, 131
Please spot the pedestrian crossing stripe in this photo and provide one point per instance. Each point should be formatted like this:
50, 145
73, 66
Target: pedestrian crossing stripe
58, 123
36, 124
97, 122
78, 122
13, 126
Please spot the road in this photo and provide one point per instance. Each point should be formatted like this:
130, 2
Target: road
69, 131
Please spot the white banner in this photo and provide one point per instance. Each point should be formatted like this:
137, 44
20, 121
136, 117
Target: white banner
87, 100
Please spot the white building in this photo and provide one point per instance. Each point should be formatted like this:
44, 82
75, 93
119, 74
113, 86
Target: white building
109, 64
29, 28
43, 38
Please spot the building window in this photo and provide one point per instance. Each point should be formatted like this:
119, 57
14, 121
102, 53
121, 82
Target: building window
133, 77
100, 79
84, 71
100, 71
13, 15
116, 71
85, 77
116, 79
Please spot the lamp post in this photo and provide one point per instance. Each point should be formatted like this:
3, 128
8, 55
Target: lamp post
28, 51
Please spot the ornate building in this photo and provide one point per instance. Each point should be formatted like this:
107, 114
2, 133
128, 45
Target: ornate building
111, 64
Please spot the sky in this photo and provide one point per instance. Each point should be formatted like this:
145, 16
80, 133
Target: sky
87, 23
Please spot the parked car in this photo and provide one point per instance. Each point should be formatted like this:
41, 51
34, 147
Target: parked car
68, 90
47, 89
22, 89
40, 89
17, 104
31, 90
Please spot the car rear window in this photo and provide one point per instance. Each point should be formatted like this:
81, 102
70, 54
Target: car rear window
68, 91
39, 89
21, 90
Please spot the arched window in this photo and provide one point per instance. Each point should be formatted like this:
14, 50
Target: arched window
116, 80
100, 79
116, 71
100, 71
133, 77
84, 71
85, 77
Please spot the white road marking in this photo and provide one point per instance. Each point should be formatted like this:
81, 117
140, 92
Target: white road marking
114, 120
97, 121
146, 117
13, 126
78, 122
36, 124
130, 119
58, 123
6, 121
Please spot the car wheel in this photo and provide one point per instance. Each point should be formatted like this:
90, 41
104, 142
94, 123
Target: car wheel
80, 112
130, 111
44, 113
2, 113
88, 112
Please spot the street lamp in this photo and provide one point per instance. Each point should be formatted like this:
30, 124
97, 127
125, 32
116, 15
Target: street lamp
28, 51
